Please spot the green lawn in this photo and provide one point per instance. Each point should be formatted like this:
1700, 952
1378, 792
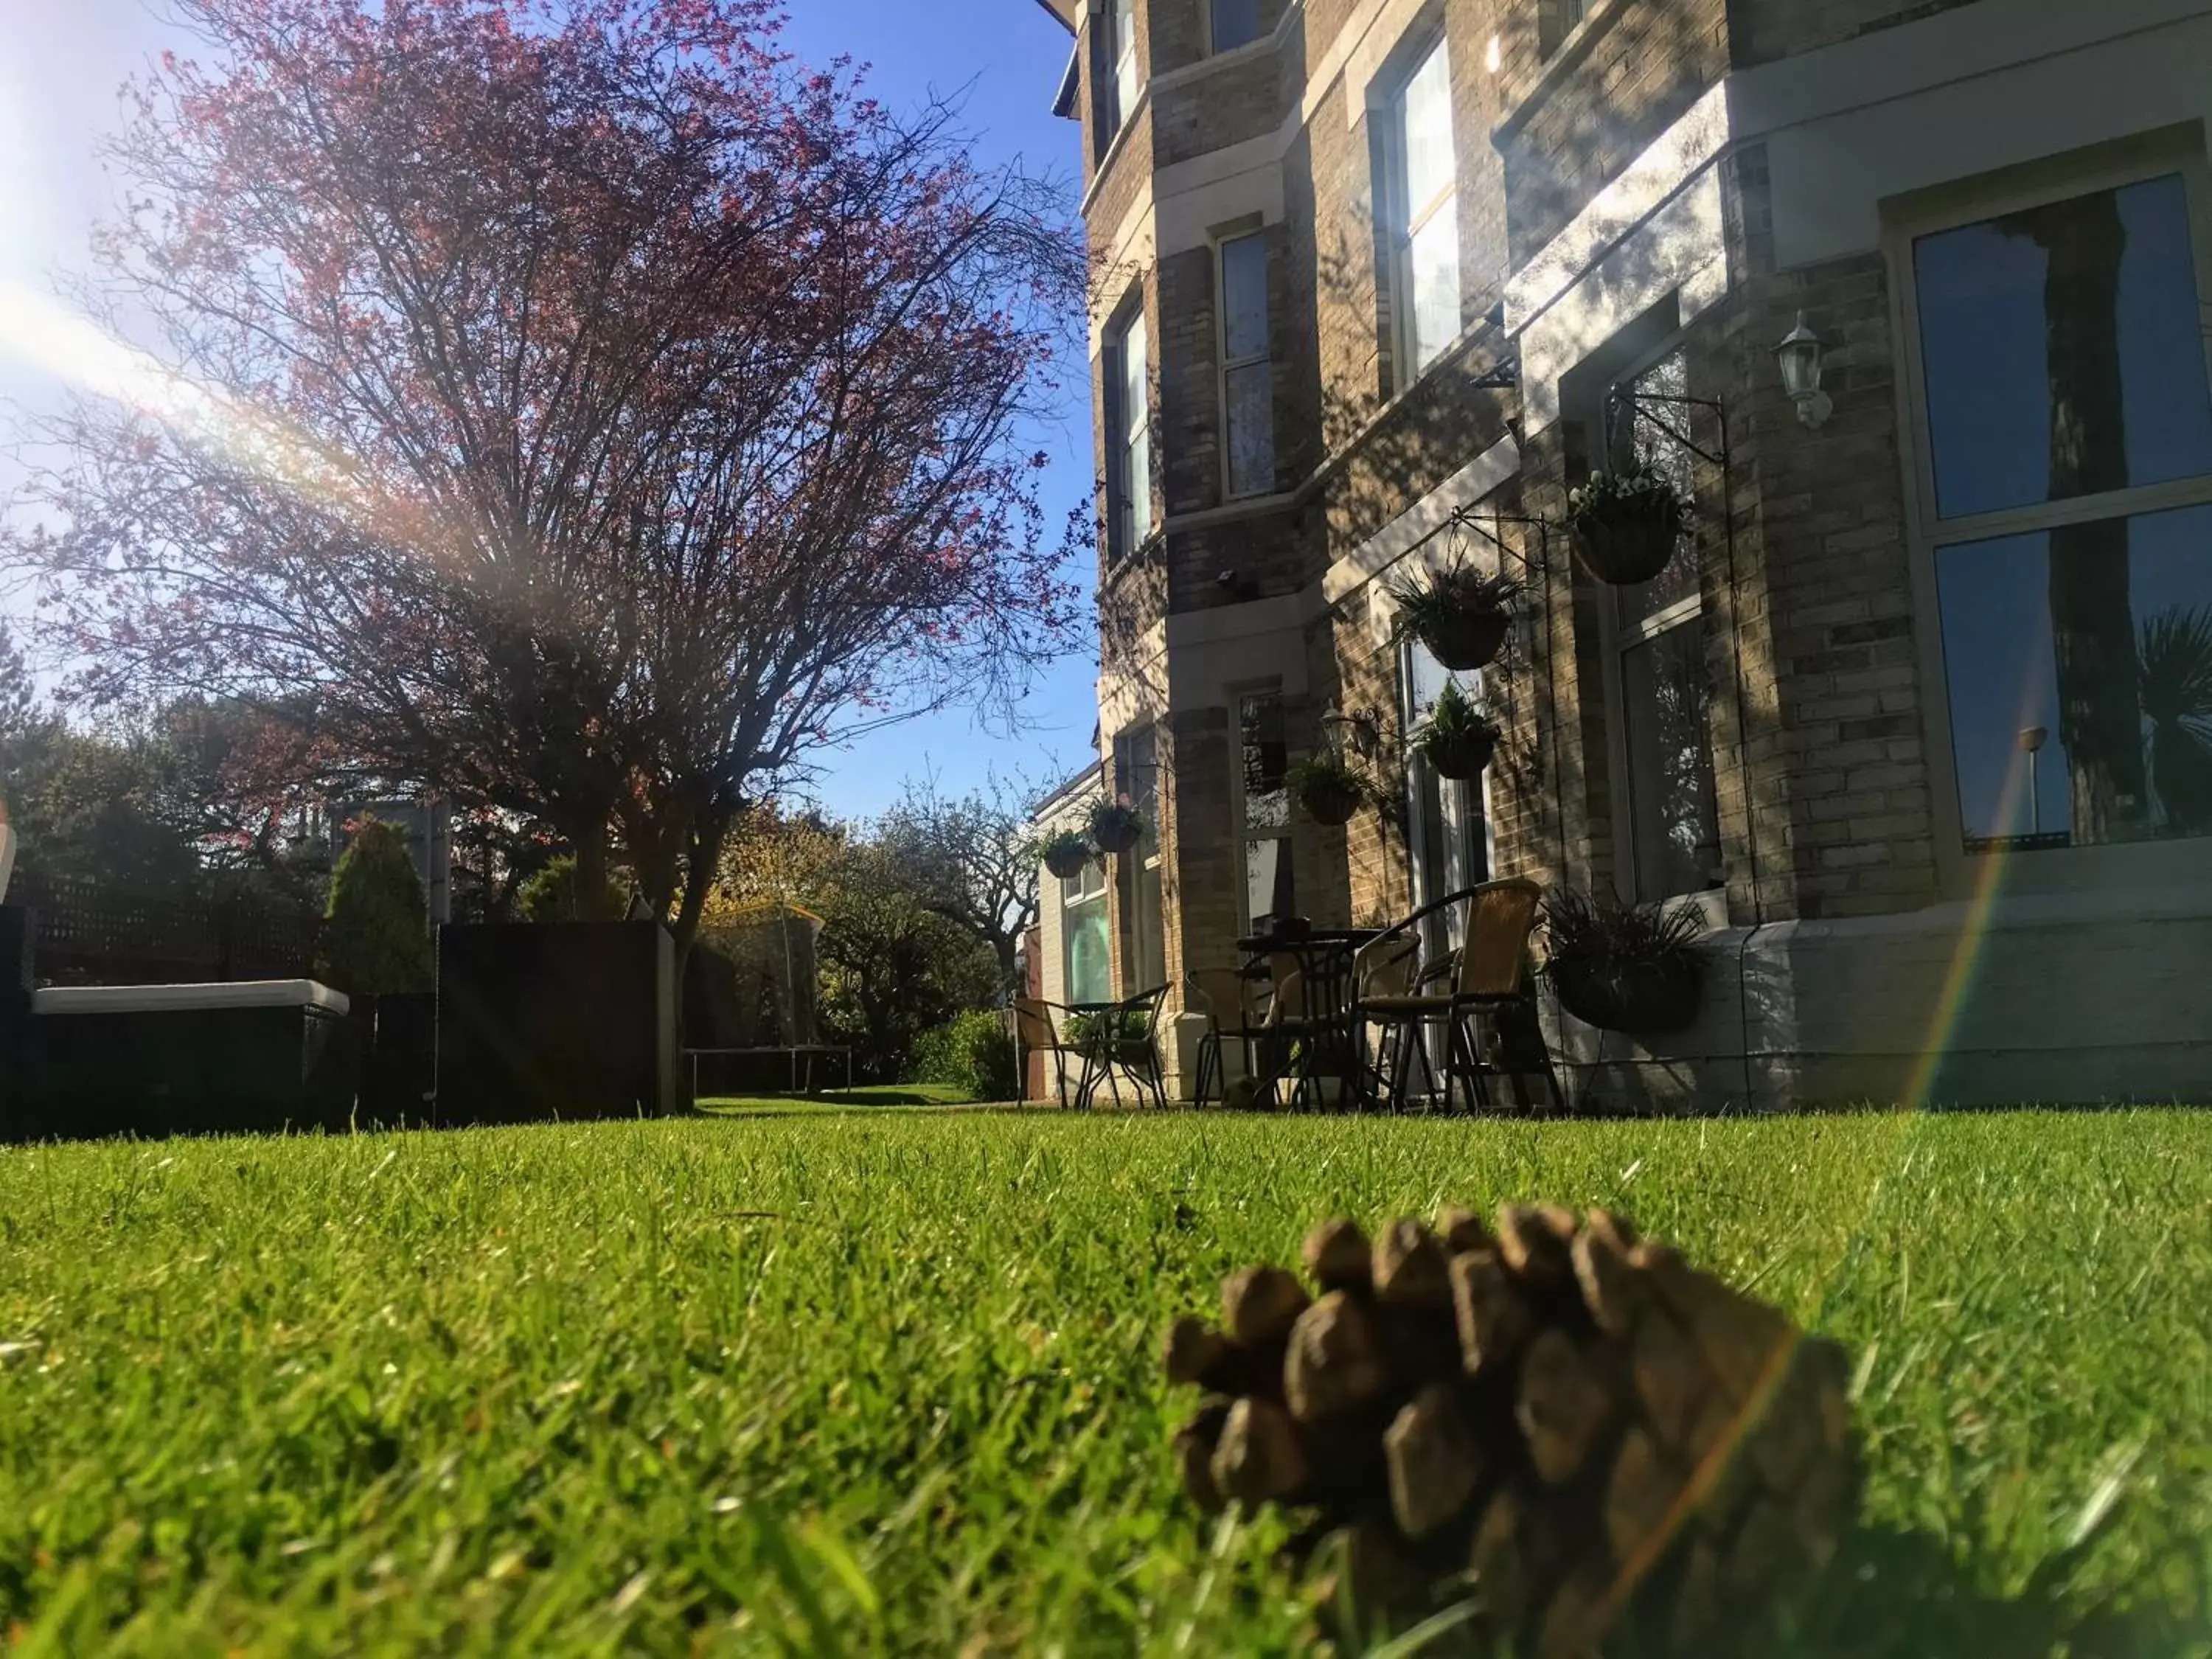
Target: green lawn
885, 1380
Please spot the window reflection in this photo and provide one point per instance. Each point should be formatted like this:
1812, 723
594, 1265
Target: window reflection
2099, 638
1264, 759
2062, 351
1666, 688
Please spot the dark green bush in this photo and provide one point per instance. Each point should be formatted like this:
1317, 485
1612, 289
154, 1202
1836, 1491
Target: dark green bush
376, 937
551, 895
974, 1053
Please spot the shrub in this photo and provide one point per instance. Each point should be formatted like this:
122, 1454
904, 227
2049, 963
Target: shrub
1632, 968
376, 940
974, 1053
550, 895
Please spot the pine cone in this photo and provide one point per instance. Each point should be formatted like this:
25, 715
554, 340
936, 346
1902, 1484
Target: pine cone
1600, 1435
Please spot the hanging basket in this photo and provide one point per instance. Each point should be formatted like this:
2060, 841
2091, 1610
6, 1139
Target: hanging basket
1626, 540
1461, 756
1468, 640
1117, 829
1330, 803
1642, 998
1066, 857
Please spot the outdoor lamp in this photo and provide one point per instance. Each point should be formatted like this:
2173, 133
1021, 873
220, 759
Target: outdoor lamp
1799, 354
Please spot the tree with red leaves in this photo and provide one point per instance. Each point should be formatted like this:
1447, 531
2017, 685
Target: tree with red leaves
578, 410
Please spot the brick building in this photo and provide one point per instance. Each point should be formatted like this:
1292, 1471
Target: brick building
1919, 716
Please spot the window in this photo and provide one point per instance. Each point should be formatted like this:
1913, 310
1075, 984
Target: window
1087, 958
1129, 419
1123, 45
2066, 482
1136, 776
1661, 684
1234, 23
1264, 808
1448, 826
1247, 377
1425, 231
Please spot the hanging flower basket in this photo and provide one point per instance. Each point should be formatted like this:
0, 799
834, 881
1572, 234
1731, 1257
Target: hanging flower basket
1631, 969
1460, 616
1115, 826
1626, 525
1459, 738
1066, 855
1328, 789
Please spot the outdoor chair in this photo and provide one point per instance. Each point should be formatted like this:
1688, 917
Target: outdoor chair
1125, 1037
1489, 979
1386, 966
1035, 1033
1224, 997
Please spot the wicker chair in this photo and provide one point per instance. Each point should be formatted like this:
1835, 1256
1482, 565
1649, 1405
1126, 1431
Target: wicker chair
1223, 996
1490, 977
1036, 1033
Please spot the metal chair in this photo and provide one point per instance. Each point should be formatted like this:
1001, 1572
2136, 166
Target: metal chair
1126, 1038
1216, 992
1035, 1033
1489, 978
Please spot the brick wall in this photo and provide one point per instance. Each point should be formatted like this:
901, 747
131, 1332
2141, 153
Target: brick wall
1585, 112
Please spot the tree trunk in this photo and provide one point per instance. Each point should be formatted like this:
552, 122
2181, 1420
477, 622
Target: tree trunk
2091, 618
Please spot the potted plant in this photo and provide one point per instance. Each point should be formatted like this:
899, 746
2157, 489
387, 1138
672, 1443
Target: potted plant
1329, 787
1625, 524
1459, 615
1459, 737
1065, 853
1115, 826
1625, 968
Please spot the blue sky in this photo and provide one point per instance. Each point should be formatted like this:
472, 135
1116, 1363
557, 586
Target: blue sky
61, 61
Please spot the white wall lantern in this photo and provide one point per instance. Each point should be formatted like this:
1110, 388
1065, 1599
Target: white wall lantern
1799, 356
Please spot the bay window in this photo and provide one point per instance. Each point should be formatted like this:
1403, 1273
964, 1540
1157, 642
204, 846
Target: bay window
1660, 683
1263, 809
1424, 217
1248, 375
1087, 958
2065, 482
1232, 23
1137, 777
1130, 436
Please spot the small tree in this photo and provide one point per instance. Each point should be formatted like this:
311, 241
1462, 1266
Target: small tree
551, 896
377, 939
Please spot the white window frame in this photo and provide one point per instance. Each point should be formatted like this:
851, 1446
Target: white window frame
1228, 366
1079, 893
1408, 219
1213, 46
1129, 500
1952, 207
1468, 795
1126, 83
1244, 831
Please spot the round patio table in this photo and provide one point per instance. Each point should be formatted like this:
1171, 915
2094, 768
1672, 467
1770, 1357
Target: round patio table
1328, 1040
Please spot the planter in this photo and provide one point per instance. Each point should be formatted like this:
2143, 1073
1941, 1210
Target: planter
1463, 756
1329, 803
1067, 861
1641, 999
1468, 639
1624, 543
1116, 835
